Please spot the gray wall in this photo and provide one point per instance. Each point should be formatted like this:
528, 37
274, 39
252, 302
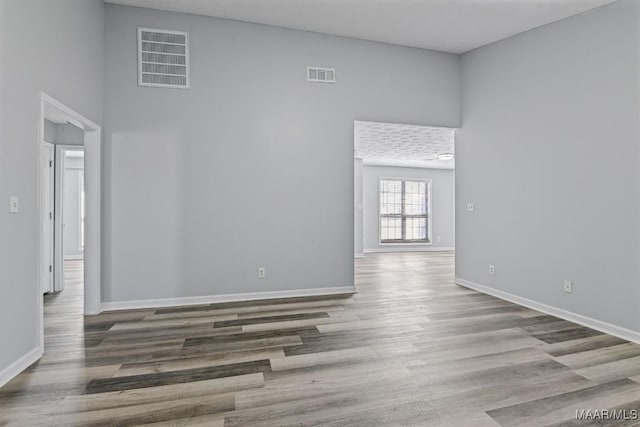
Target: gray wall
548, 152
63, 133
254, 165
60, 52
69, 134
441, 206
49, 131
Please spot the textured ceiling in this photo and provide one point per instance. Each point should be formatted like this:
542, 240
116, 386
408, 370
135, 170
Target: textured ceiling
448, 25
403, 145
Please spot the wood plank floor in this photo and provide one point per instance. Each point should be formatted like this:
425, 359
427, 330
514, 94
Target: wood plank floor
411, 348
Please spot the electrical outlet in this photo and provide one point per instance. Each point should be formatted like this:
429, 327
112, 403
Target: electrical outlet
438, 239
470, 207
492, 270
261, 273
568, 286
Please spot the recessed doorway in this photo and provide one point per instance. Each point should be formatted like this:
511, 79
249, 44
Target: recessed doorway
404, 187
68, 159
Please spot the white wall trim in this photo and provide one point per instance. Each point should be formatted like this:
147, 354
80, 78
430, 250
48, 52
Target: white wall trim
11, 371
212, 299
358, 255
607, 328
402, 248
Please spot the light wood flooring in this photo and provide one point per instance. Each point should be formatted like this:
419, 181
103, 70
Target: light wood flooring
410, 348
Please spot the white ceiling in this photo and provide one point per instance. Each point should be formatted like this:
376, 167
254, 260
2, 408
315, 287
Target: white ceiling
403, 145
447, 25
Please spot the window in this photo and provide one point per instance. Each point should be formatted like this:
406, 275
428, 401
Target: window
405, 211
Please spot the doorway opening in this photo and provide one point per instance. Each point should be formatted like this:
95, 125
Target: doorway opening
69, 210
404, 195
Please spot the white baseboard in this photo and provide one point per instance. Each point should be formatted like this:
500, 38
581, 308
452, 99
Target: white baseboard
212, 299
409, 249
8, 373
607, 328
358, 255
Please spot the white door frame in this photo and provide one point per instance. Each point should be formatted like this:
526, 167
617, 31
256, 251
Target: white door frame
58, 268
47, 226
92, 142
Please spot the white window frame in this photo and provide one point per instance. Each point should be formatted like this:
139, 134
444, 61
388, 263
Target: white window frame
429, 216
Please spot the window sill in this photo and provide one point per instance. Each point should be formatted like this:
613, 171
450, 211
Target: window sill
405, 244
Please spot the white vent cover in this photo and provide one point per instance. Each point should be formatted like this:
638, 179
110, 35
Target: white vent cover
322, 75
163, 58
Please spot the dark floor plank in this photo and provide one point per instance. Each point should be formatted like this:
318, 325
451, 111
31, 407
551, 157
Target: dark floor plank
567, 335
270, 319
104, 385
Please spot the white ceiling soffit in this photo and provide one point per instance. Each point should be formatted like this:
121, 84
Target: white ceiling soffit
394, 144
54, 115
447, 25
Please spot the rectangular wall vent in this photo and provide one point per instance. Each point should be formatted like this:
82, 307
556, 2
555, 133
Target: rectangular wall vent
322, 75
163, 58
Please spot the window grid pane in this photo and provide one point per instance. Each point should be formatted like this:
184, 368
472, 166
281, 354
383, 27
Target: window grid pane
404, 211
391, 197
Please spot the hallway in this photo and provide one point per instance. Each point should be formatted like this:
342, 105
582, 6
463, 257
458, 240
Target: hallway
63, 311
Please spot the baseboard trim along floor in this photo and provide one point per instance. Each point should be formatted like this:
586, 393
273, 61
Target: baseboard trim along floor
19, 365
414, 249
589, 322
213, 299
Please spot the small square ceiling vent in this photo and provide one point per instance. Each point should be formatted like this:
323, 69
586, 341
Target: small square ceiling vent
321, 75
163, 58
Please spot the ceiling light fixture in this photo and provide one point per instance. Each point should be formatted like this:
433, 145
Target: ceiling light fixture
446, 156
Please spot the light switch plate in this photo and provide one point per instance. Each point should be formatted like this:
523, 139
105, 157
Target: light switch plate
568, 286
14, 204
